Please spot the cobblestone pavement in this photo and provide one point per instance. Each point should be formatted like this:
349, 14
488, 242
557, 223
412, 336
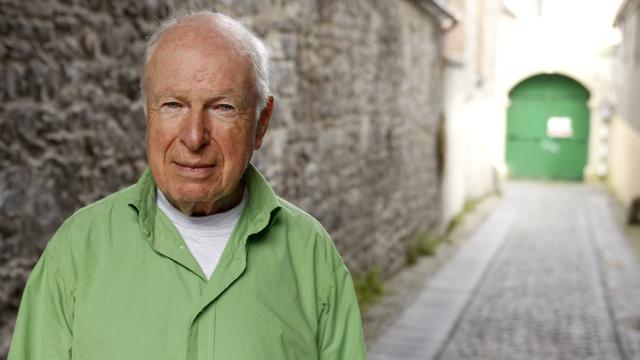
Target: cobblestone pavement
403, 289
560, 284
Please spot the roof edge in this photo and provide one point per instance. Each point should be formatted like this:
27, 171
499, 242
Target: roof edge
626, 7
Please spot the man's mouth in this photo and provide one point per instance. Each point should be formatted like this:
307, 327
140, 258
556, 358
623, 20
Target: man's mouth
194, 169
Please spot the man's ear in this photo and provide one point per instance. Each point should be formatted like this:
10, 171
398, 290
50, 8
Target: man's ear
263, 121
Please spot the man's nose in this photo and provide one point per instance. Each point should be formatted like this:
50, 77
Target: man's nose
195, 133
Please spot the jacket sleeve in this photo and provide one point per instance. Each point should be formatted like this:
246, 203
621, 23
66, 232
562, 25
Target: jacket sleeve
341, 335
43, 327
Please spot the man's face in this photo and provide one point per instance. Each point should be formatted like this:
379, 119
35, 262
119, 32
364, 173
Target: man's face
201, 120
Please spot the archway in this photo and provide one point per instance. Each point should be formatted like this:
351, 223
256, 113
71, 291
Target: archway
548, 128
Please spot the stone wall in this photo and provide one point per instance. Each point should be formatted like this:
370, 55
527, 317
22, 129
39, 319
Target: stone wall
352, 141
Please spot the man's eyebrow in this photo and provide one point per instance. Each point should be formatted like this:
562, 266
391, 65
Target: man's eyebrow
165, 92
242, 97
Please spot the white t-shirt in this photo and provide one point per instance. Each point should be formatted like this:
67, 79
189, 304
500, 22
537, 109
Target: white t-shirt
205, 236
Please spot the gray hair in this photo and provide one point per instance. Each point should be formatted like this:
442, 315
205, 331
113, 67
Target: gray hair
244, 39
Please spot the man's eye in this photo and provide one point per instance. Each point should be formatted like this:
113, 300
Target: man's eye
171, 105
225, 107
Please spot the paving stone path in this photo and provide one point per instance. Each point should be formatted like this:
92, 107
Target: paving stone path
548, 276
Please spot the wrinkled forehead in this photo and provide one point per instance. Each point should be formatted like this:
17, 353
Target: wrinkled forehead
198, 50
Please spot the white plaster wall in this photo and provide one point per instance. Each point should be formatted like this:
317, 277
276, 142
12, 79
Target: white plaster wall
470, 111
625, 146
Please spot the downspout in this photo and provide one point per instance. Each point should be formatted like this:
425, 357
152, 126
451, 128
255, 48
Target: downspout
441, 11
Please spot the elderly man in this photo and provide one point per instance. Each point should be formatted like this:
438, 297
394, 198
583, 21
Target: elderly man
199, 259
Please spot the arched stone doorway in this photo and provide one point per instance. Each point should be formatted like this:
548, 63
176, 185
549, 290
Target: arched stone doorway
548, 128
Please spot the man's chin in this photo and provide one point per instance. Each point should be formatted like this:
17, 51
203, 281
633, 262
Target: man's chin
202, 196
191, 193
193, 197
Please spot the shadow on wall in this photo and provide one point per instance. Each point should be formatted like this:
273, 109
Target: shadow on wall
634, 212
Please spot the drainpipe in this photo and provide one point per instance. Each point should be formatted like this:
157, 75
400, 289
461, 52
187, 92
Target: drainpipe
441, 11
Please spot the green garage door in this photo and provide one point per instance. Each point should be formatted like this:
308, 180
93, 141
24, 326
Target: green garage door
548, 128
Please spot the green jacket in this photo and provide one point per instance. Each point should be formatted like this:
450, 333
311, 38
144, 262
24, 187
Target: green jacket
117, 282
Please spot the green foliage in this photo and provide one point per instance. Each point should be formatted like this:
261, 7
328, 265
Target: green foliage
468, 207
412, 255
428, 245
455, 222
368, 288
424, 245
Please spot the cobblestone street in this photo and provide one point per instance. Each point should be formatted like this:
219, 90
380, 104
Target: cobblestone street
548, 275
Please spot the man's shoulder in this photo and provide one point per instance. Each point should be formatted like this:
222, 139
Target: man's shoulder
300, 218
102, 214
116, 201
309, 232
82, 232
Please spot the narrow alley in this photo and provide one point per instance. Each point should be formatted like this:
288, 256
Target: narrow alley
472, 162
548, 275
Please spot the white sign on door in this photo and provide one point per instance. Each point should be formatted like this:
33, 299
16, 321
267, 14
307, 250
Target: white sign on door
559, 127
